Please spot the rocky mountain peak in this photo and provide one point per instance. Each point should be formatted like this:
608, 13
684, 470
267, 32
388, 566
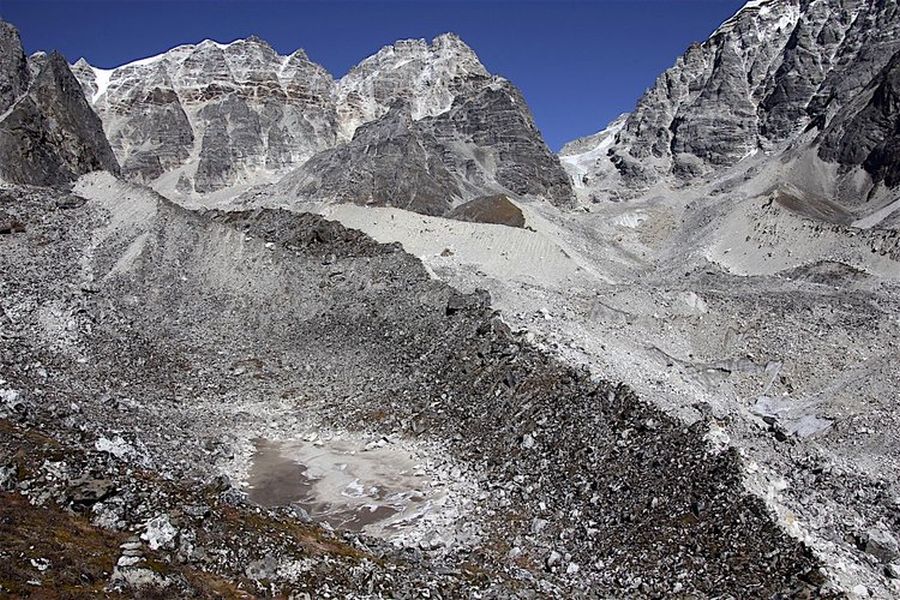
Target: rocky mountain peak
429, 76
255, 39
212, 115
207, 116
48, 133
300, 55
450, 39
13, 66
485, 143
757, 84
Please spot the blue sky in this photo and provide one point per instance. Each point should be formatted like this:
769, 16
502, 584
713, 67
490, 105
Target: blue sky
579, 63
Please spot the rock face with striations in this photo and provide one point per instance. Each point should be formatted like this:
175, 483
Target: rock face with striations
419, 125
391, 161
212, 115
870, 136
767, 75
48, 133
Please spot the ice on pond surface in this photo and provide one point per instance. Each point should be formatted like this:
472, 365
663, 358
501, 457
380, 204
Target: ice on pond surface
377, 490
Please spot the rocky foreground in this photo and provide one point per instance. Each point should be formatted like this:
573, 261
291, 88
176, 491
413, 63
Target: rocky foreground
144, 345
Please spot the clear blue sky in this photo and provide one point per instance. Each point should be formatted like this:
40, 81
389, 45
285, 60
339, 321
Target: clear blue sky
579, 63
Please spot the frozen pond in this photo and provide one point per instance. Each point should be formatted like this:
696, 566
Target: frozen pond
377, 489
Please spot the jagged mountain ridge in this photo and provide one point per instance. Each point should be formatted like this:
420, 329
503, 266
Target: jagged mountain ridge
780, 76
200, 118
484, 144
48, 133
211, 114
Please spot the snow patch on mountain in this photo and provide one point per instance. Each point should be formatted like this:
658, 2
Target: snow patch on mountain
580, 156
101, 79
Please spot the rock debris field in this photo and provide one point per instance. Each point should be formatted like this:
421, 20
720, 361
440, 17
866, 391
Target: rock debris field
159, 364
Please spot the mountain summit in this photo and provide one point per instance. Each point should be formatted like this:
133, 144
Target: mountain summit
810, 80
48, 133
204, 117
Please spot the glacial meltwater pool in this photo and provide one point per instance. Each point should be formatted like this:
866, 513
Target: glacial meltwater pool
379, 489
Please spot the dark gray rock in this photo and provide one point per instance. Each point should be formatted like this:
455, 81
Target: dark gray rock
86, 491
477, 301
882, 545
393, 161
13, 67
870, 136
35, 63
51, 135
159, 141
503, 144
10, 224
8, 477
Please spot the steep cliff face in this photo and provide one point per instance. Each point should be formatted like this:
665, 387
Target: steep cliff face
198, 119
773, 71
212, 115
870, 136
500, 145
485, 143
13, 67
48, 133
393, 161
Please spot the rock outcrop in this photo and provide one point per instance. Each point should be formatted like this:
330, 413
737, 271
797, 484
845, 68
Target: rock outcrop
870, 136
764, 78
13, 66
418, 125
498, 210
48, 133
